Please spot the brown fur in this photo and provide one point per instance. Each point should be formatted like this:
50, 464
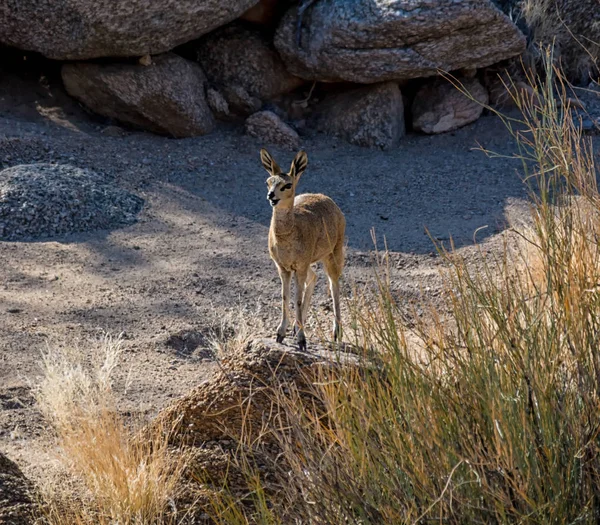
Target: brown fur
305, 229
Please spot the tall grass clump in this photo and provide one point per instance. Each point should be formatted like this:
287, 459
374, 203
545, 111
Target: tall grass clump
494, 416
130, 478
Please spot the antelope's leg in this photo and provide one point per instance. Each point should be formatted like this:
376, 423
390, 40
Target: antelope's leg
309, 288
300, 278
285, 277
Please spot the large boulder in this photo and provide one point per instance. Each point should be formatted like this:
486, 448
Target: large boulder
377, 40
370, 116
83, 29
16, 494
439, 106
241, 57
573, 28
166, 97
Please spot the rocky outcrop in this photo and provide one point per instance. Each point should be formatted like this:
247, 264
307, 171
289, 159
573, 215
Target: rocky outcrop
237, 56
269, 128
16, 494
371, 116
573, 28
84, 29
243, 409
439, 106
166, 97
240, 396
367, 42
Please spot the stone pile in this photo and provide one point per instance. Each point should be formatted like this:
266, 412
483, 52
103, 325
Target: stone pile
173, 67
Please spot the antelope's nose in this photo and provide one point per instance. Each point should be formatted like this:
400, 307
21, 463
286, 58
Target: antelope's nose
271, 195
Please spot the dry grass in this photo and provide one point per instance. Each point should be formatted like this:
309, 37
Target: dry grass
130, 480
495, 419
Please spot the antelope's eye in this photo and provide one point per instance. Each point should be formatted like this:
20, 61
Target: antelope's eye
286, 187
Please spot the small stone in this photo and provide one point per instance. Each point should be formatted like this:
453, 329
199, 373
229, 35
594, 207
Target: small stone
113, 131
439, 106
217, 103
269, 128
146, 60
240, 101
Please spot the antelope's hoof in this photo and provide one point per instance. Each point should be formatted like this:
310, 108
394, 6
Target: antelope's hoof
302, 343
337, 334
279, 338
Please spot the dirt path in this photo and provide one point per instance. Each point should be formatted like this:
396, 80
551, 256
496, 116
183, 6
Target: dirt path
197, 259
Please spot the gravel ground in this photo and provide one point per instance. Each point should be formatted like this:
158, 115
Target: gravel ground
196, 259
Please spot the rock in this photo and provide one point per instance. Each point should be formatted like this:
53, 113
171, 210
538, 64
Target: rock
269, 128
378, 40
44, 200
166, 97
146, 60
264, 13
237, 56
113, 131
84, 29
241, 403
506, 81
17, 494
439, 106
217, 104
240, 101
211, 411
371, 116
572, 27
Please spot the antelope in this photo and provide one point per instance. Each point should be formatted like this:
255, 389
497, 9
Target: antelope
305, 229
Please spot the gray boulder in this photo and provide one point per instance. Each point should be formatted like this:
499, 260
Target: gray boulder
269, 128
166, 97
237, 56
370, 116
377, 40
83, 29
573, 28
16, 494
439, 106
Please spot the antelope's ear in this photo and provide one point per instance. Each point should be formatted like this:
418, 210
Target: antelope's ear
269, 163
299, 165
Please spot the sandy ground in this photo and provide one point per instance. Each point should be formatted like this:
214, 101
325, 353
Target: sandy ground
198, 256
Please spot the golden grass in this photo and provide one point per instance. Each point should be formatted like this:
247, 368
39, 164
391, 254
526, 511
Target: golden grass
130, 480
